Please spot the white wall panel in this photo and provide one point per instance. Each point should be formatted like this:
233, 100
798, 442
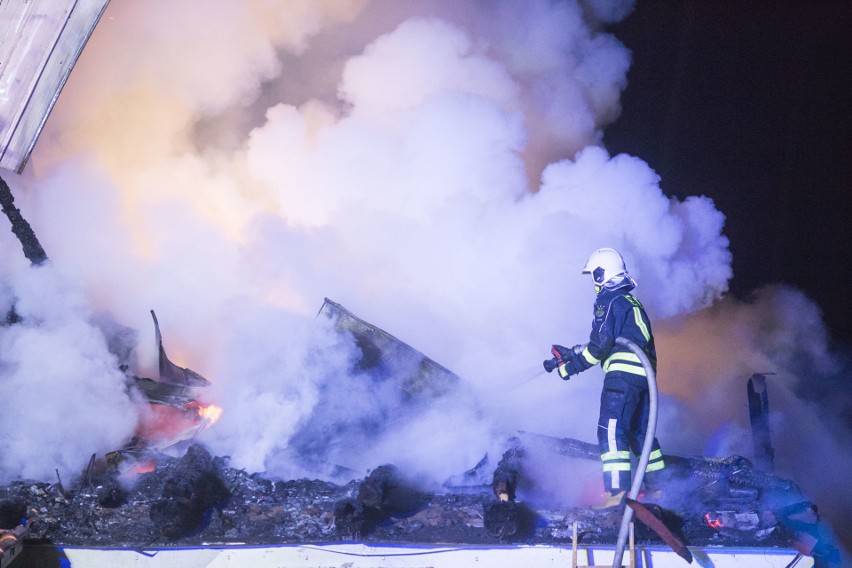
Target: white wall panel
40, 41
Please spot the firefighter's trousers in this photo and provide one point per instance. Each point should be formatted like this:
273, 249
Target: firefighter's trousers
623, 421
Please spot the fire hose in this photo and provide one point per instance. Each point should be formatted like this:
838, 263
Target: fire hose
646, 448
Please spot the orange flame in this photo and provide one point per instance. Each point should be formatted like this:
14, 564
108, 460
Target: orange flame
209, 412
713, 523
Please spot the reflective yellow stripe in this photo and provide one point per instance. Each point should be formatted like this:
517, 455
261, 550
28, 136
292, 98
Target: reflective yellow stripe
624, 356
627, 369
640, 323
655, 455
656, 466
616, 466
621, 455
563, 372
622, 361
591, 359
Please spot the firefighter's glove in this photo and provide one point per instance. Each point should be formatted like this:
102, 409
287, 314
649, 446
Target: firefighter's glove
561, 357
569, 363
561, 353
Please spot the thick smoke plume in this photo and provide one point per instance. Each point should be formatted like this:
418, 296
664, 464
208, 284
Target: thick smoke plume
435, 167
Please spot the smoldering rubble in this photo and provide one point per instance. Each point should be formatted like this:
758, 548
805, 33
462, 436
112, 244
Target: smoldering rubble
197, 499
179, 494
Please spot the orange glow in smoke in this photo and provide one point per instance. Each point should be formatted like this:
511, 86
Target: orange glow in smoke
162, 423
144, 467
167, 424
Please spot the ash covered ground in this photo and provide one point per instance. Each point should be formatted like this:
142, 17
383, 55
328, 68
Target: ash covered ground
197, 499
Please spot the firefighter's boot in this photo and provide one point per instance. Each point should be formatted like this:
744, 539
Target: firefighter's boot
612, 500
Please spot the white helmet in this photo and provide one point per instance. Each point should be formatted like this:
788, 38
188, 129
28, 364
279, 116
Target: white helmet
607, 267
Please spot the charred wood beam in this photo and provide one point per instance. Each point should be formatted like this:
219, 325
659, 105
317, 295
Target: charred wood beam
506, 519
655, 523
731, 473
189, 495
383, 494
20, 227
562, 446
758, 411
504, 482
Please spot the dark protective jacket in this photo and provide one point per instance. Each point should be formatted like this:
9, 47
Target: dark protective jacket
616, 314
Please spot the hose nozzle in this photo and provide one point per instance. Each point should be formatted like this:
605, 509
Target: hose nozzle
550, 364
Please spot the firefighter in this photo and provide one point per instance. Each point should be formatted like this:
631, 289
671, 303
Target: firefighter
625, 399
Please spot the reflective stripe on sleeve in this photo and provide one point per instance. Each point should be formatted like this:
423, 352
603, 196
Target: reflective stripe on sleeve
640, 323
590, 359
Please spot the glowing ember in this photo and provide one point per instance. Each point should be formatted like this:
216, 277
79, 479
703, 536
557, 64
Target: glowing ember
129, 471
144, 467
713, 523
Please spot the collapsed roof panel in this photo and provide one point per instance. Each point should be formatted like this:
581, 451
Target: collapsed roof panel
419, 376
396, 380
40, 41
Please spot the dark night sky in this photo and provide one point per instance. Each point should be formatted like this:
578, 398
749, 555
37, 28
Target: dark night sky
750, 104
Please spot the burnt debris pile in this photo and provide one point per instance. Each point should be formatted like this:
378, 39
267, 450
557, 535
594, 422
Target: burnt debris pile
170, 491
197, 498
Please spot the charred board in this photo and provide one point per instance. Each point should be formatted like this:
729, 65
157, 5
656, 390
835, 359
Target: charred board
504, 482
189, 495
656, 524
509, 521
382, 495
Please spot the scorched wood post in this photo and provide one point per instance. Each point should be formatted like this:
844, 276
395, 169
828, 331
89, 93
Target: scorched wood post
32, 248
758, 412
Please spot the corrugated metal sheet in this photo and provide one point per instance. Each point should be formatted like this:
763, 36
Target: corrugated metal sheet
40, 41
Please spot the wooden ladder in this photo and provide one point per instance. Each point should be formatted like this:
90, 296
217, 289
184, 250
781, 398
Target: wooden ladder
631, 554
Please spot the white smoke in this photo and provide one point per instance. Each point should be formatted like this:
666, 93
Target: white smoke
56, 370
704, 361
435, 167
